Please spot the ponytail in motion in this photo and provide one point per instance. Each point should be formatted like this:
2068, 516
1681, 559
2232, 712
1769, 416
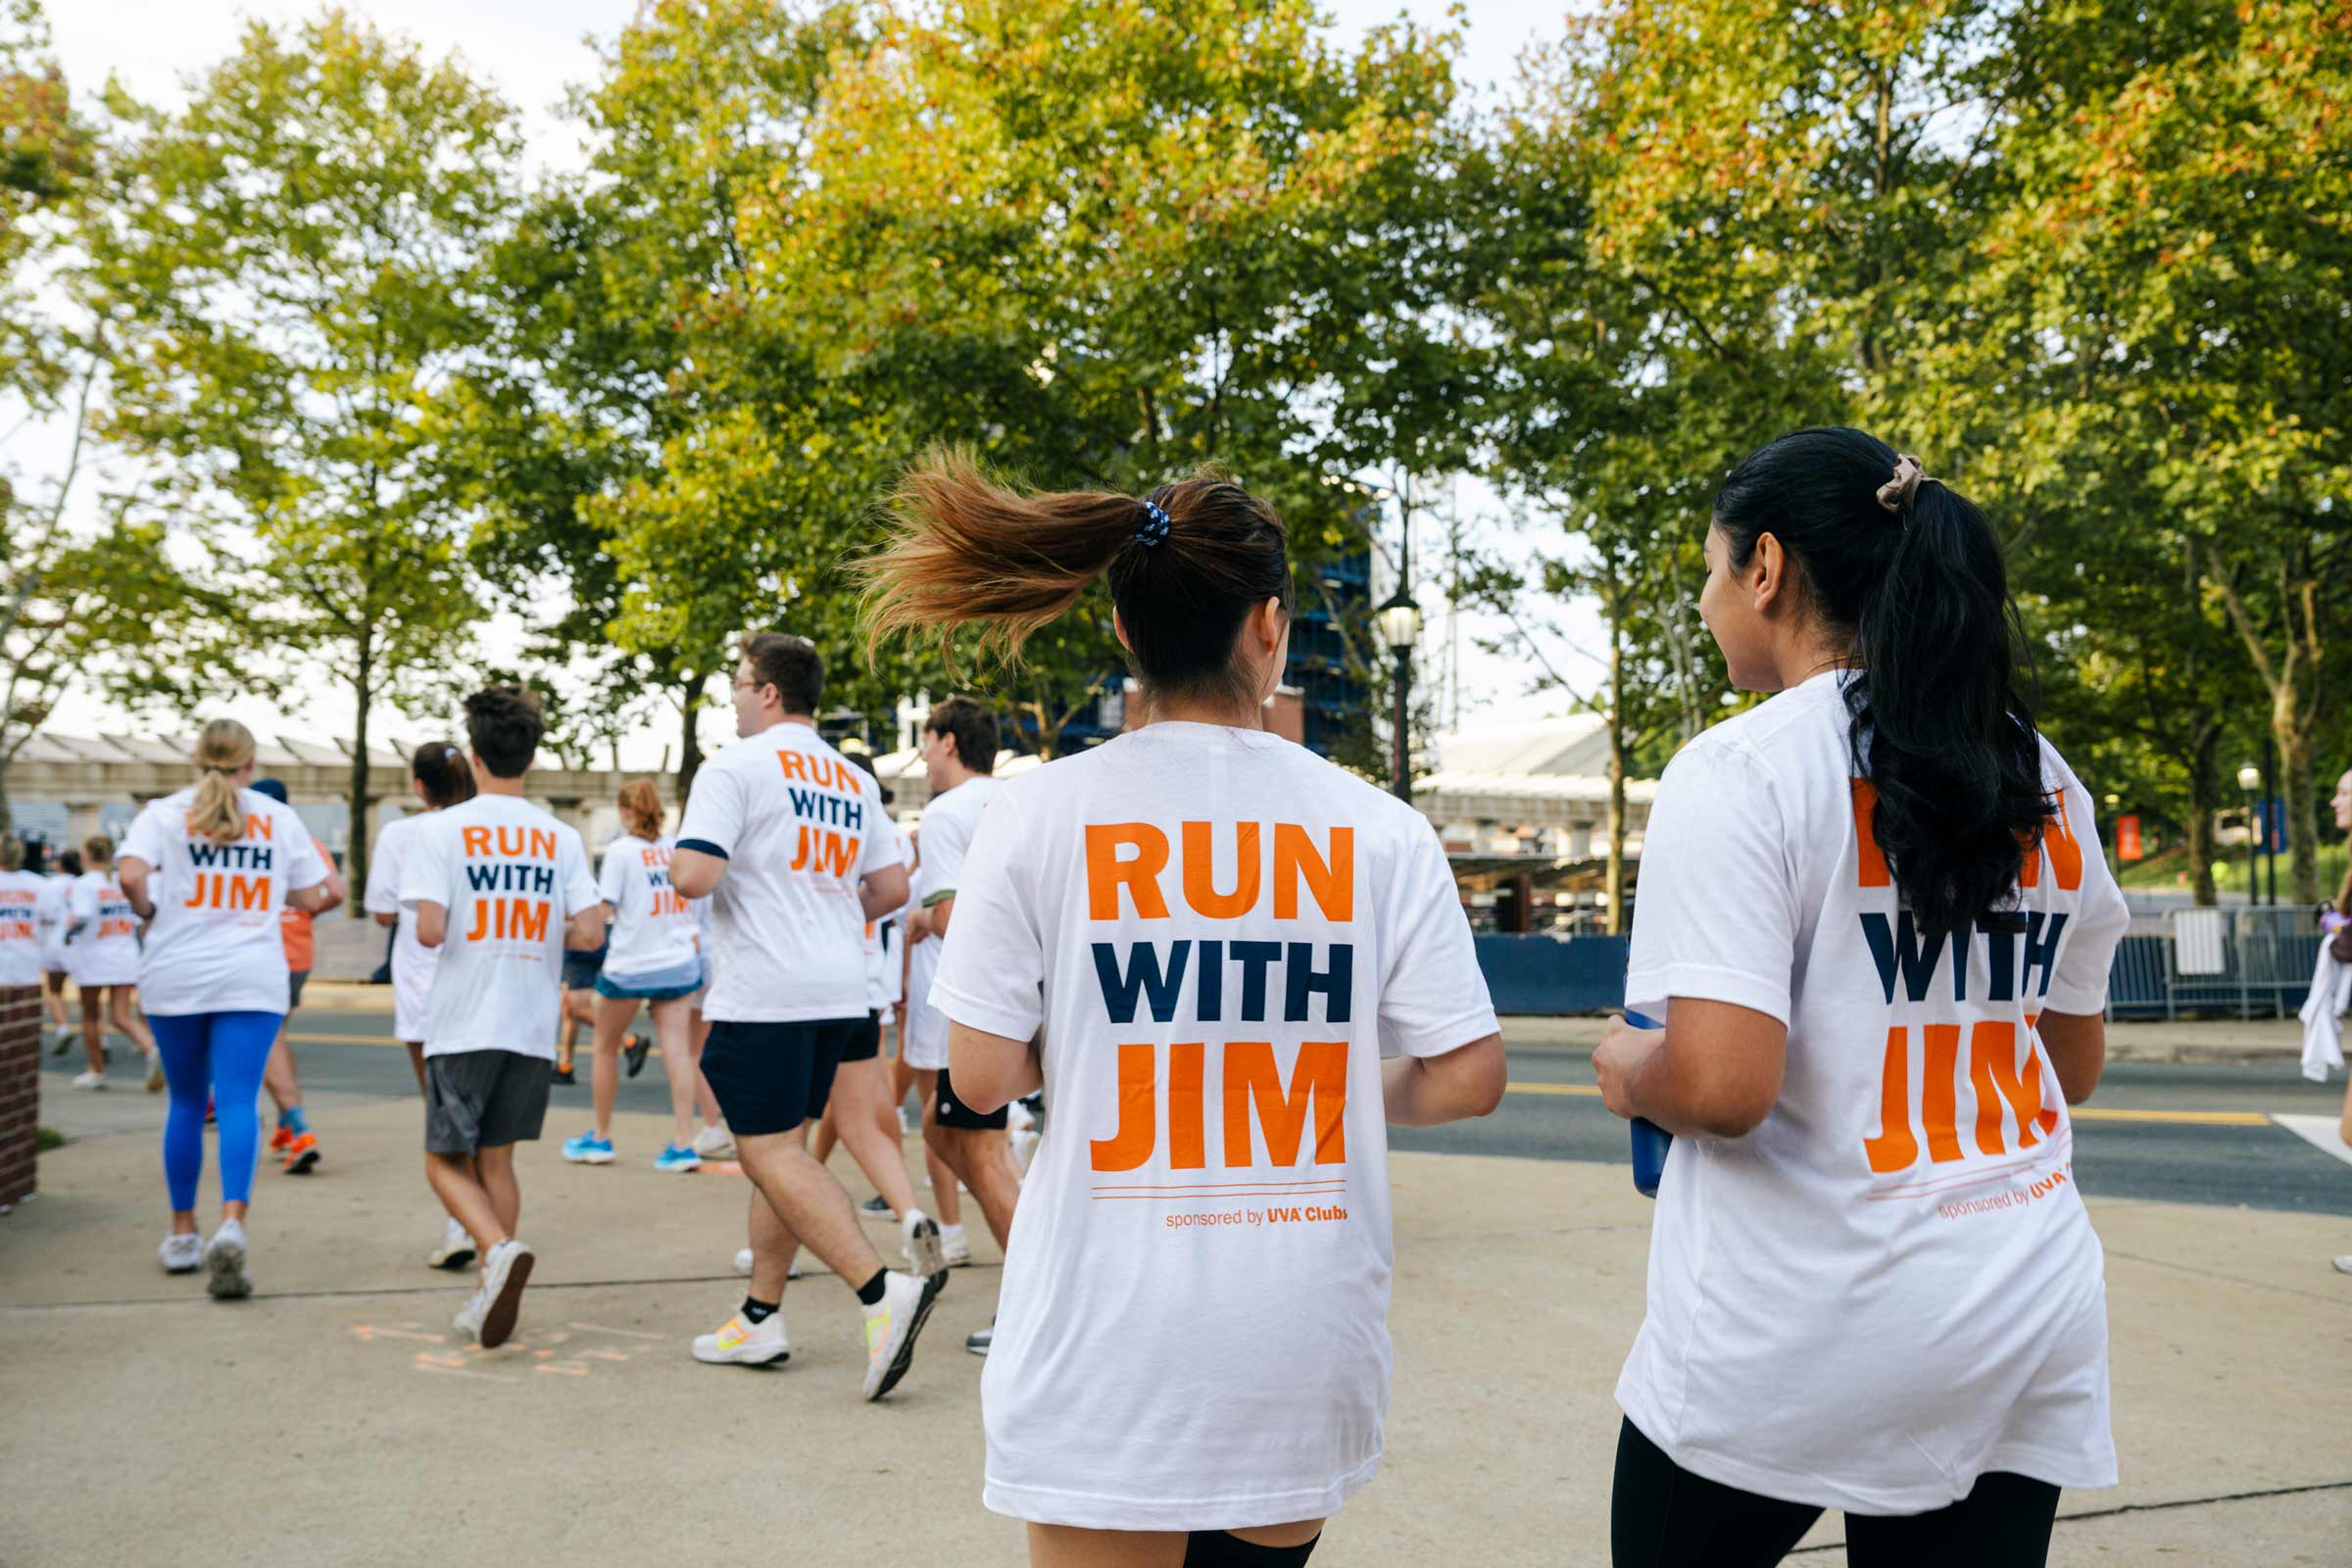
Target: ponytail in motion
1186, 565
641, 809
443, 770
224, 746
1912, 576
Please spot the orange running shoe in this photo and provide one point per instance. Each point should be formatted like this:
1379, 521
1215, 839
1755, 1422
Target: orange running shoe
280, 1138
301, 1153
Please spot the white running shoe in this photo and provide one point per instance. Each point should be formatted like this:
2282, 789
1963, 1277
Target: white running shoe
68, 1035
1019, 1118
741, 1344
225, 1260
93, 1079
715, 1143
1024, 1149
469, 1320
155, 1072
504, 1272
181, 1254
918, 1235
2343, 1264
891, 1326
455, 1250
955, 1251
905, 1130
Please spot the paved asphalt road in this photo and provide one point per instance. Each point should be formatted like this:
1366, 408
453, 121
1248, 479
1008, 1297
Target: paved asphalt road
2185, 1133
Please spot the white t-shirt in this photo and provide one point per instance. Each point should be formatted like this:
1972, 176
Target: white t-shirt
653, 927
1219, 935
948, 826
797, 824
509, 875
1890, 1287
413, 962
55, 913
214, 945
23, 902
105, 951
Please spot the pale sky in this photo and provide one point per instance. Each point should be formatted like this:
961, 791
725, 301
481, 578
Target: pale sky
532, 49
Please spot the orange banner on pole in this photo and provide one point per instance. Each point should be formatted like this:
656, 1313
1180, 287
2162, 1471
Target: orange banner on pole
2126, 837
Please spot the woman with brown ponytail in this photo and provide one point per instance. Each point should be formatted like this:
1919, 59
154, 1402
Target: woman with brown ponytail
1202, 927
209, 868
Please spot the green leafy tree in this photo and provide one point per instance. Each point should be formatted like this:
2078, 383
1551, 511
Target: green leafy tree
293, 267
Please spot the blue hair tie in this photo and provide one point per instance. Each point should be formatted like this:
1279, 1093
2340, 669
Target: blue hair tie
1154, 528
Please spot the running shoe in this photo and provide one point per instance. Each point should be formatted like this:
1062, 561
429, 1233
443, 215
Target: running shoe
675, 1158
155, 1072
65, 1040
904, 1130
279, 1139
890, 1327
918, 1234
634, 1053
2343, 1264
742, 1262
978, 1339
181, 1254
715, 1143
562, 1075
469, 1320
1024, 1150
455, 1250
504, 1275
301, 1153
588, 1149
224, 1261
741, 1344
956, 1249
875, 1208
93, 1079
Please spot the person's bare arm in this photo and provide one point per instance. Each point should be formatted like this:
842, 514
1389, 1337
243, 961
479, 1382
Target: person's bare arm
313, 898
2076, 1043
694, 873
1426, 1091
332, 893
935, 915
388, 919
584, 932
432, 923
1714, 1070
132, 872
880, 892
990, 1071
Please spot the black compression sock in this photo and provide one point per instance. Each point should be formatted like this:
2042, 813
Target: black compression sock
871, 1291
757, 1312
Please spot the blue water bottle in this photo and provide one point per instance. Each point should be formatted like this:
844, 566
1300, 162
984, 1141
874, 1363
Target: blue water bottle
1650, 1141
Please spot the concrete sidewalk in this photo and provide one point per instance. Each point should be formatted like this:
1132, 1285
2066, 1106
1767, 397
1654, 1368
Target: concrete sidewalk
337, 1419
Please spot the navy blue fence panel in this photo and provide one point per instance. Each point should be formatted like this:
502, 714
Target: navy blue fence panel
2137, 987
1544, 974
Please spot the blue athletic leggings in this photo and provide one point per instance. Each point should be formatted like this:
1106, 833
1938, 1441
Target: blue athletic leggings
220, 1054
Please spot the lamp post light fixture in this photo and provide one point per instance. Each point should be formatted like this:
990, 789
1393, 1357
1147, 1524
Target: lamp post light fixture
2115, 850
1399, 622
2249, 779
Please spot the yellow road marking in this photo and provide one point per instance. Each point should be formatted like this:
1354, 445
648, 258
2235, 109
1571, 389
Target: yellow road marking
2190, 1119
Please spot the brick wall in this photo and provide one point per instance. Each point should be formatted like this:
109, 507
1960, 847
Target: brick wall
20, 1088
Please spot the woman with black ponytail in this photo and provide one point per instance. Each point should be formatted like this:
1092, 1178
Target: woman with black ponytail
1877, 925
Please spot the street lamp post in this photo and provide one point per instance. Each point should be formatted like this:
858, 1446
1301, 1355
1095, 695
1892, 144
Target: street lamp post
1399, 622
2249, 779
2115, 850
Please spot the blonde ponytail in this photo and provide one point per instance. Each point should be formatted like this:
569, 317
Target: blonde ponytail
224, 746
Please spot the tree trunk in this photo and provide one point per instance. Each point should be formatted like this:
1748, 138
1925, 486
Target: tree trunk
2294, 784
2203, 800
355, 857
690, 745
1616, 720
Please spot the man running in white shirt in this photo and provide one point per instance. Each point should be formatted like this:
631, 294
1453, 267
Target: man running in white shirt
792, 841
503, 890
959, 750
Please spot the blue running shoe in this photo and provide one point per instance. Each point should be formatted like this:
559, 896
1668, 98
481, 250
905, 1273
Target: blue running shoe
588, 1149
677, 1157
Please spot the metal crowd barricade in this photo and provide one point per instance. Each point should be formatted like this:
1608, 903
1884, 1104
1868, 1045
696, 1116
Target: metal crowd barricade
2255, 963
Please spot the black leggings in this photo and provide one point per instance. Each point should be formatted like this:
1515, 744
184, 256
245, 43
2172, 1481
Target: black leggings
1662, 1516
1214, 1548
